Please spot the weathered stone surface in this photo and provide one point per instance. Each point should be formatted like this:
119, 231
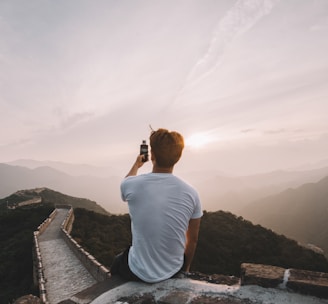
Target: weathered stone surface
214, 278
175, 297
216, 300
64, 273
309, 282
261, 275
143, 299
89, 294
28, 299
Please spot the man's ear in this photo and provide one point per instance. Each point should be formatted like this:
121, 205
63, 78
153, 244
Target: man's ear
152, 157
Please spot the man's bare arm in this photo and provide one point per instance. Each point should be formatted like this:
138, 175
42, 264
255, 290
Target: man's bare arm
137, 164
191, 243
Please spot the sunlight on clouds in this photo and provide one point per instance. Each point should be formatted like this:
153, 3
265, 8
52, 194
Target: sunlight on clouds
199, 140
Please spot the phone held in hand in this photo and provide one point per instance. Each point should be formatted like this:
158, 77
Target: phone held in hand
144, 151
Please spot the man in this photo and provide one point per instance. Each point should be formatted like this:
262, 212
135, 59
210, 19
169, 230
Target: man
165, 215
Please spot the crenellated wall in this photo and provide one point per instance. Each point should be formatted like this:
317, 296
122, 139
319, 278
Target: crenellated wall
97, 270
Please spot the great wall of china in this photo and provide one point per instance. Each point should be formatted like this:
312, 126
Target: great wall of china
66, 273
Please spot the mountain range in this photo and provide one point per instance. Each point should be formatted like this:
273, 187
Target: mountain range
45, 196
300, 213
103, 190
217, 191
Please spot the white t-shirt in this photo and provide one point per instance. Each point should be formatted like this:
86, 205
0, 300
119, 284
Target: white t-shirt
160, 207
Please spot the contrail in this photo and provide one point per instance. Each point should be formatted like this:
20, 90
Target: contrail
238, 20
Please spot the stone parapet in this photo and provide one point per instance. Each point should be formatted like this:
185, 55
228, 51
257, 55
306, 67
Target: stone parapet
308, 282
97, 270
43, 226
302, 281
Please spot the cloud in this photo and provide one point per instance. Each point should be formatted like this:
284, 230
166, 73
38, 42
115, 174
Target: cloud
247, 130
274, 132
238, 20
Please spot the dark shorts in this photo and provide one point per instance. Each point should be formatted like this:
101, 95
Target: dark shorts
121, 267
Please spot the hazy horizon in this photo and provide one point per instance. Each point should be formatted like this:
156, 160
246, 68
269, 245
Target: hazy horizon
245, 82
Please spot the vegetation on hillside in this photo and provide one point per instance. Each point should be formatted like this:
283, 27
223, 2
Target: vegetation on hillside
16, 242
225, 241
103, 236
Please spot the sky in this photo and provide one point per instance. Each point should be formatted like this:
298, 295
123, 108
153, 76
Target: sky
245, 82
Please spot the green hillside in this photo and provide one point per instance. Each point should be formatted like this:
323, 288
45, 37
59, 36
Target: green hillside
16, 241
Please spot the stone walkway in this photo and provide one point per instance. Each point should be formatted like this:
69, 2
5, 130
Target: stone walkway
64, 273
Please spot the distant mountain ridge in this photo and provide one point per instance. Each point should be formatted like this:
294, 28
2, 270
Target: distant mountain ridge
233, 193
300, 213
217, 192
104, 191
47, 196
70, 169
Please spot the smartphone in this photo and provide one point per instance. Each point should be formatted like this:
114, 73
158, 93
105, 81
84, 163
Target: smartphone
144, 151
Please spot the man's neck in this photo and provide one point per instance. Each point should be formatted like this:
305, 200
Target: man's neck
162, 170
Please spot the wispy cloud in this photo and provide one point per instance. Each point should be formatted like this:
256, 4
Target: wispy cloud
238, 20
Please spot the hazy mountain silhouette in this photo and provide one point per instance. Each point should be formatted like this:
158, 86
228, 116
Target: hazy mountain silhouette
218, 192
50, 197
300, 213
104, 191
70, 169
234, 193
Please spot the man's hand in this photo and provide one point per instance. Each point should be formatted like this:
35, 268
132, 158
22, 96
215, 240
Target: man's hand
137, 164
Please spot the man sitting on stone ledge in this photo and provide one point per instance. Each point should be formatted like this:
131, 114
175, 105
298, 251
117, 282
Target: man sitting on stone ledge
165, 215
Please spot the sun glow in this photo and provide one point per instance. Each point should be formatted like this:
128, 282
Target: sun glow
198, 140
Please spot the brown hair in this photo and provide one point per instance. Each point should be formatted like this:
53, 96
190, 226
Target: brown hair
166, 146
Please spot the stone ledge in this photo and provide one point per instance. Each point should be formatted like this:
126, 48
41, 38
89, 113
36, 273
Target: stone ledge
302, 281
309, 282
261, 275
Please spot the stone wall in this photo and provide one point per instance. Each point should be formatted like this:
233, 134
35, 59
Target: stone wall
97, 270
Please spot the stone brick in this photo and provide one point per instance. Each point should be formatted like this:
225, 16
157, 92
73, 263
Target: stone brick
216, 300
309, 282
143, 299
261, 275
